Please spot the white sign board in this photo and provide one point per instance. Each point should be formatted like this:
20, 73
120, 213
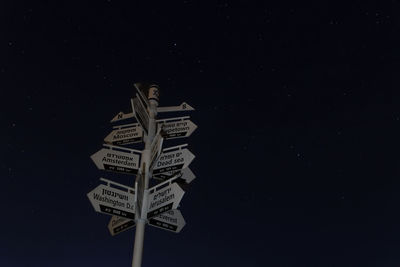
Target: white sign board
163, 199
109, 200
183, 127
117, 161
186, 174
171, 220
182, 107
155, 148
139, 188
142, 89
173, 160
119, 224
122, 116
125, 135
141, 114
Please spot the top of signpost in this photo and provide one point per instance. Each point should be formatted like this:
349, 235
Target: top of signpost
151, 90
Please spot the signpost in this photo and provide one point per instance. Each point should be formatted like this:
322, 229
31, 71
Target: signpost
173, 159
177, 127
113, 201
155, 148
125, 134
171, 220
122, 116
140, 189
182, 107
141, 89
163, 198
117, 159
140, 112
154, 204
186, 174
119, 224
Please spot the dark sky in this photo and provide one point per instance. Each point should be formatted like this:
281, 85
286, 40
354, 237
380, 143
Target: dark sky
297, 150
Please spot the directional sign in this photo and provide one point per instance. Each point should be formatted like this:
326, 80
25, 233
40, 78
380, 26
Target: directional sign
116, 160
125, 134
155, 148
182, 107
163, 198
143, 89
118, 225
186, 174
122, 116
141, 114
180, 127
109, 200
171, 220
173, 159
139, 188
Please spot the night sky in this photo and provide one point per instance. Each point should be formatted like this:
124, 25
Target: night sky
297, 147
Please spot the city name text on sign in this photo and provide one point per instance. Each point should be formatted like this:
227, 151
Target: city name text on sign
163, 198
173, 159
177, 127
123, 160
112, 201
171, 220
125, 134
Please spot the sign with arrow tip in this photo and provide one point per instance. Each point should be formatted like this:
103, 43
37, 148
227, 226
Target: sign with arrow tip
113, 201
125, 161
186, 174
182, 107
171, 220
177, 127
163, 198
155, 147
173, 159
142, 90
118, 225
125, 134
141, 114
140, 192
122, 116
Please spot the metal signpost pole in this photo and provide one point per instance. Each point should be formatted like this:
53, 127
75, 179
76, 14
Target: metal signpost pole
157, 205
141, 215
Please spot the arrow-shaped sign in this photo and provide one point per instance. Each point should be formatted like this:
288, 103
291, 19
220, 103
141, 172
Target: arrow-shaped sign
186, 174
173, 159
163, 198
171, 220
122, 116
123, 160
140, 112
155, 147
143, 89
109, 200
140, 190
177, 127
118, 225
182, 107
125, 134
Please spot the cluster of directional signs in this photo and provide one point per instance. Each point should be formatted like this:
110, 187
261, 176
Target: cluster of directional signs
168, 168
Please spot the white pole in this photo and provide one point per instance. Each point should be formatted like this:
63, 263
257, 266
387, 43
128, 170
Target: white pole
138, 247
141, 221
